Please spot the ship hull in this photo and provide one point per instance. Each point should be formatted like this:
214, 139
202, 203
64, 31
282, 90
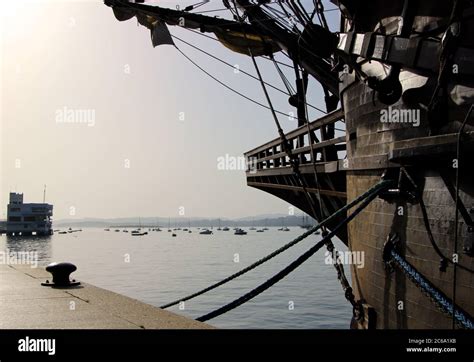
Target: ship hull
424, 156
427, 151
397, 301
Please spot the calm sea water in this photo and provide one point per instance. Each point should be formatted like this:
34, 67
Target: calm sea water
158, 268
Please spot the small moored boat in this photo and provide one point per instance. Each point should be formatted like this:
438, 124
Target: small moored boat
240, 232
138, 233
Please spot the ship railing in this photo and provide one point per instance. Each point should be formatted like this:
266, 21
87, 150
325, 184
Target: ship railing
328, 145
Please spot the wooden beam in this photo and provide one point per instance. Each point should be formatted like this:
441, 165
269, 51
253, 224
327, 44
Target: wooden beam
260, 185
306, 168
306, 149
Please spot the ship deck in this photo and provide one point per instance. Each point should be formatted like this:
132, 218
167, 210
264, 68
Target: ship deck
270, 169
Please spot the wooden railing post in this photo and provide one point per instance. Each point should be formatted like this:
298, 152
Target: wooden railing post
272, 154
276, 161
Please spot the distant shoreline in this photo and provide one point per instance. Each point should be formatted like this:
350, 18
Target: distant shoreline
293, 220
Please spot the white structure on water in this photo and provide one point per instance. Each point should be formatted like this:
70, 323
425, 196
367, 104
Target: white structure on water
28, 219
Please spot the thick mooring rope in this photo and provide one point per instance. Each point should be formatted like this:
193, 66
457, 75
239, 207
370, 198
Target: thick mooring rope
300, 260
373, 190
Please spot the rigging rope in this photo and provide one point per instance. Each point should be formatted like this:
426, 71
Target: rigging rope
426, 222
375, 189
294, 161
296, 263
227, 86
228, 64
285, 80
266, 5
341, 276
284, 141
310, 141
250, 75
320, 10
217, 40
432, 240
303, 11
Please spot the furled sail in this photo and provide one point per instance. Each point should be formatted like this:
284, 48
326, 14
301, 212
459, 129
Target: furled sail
240, 42
123, 14
232, 35
158, 30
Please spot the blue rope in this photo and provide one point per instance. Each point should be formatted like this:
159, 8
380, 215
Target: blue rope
440, 299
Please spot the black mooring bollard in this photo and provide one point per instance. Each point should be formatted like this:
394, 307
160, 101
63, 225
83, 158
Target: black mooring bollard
61, 272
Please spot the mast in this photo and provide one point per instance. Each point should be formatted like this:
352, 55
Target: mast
308, 60
261, 25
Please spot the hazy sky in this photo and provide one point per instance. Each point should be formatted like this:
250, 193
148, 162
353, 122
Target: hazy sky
135, 156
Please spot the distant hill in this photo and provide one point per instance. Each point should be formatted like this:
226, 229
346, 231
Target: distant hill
259, 220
